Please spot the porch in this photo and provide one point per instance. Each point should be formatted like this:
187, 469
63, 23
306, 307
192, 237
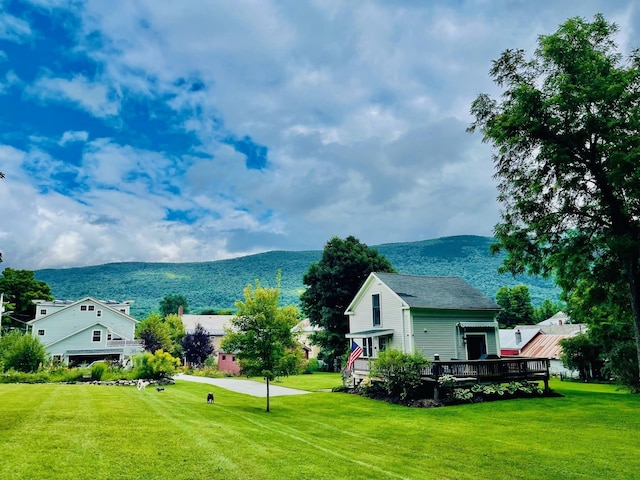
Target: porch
469, 372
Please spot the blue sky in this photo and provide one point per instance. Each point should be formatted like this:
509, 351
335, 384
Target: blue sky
201, 130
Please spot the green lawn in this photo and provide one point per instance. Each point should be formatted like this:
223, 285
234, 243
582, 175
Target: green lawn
105, 432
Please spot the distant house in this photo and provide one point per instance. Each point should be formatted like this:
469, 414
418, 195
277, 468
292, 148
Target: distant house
215, 326
303, 331
542, 340
83, 331
435, 316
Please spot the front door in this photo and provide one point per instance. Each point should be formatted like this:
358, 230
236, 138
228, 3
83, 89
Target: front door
476, 346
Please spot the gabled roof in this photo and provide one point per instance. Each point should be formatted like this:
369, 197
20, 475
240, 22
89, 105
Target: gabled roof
509, 340
213, 324
69, 304
447, 293
546, 346
76, 332
559, 318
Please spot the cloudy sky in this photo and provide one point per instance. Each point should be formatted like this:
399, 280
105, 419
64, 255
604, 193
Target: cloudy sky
197, 130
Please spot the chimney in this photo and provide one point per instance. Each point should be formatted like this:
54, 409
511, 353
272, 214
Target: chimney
180, 310
518, 337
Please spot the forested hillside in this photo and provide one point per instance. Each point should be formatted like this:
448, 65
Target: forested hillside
219, 284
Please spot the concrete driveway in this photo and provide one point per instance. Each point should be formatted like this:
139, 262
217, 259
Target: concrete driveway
248, 387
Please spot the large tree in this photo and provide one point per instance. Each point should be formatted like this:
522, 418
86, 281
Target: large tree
261, 336
567, 137
516, 306
331, 285
20, 287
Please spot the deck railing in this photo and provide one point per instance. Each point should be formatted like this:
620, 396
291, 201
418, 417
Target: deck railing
125, 343
480, 371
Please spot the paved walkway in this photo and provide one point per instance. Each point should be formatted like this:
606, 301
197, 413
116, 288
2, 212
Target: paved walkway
248, 387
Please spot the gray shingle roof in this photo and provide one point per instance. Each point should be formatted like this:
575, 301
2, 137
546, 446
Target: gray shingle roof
437, 292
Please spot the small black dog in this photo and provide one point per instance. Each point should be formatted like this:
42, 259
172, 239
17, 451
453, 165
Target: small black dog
209, 397
160, 389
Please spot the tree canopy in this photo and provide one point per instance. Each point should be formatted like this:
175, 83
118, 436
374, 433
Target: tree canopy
197, 346
261, 336
566, 133
20, 287
155, 333
171, 304
331, 284
516, 306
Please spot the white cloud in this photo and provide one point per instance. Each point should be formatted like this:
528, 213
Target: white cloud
73, 136
10, 80
13, 29
96, 98
362, 107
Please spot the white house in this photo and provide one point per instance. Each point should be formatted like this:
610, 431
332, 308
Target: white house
443, 316
83, 331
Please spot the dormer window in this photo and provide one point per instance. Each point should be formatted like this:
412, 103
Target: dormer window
375, 303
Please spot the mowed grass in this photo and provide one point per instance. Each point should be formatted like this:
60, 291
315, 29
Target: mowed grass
106, 432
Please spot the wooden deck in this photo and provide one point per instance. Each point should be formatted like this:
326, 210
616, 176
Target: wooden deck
469, 372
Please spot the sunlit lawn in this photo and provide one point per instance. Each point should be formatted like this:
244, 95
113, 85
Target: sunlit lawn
106, 432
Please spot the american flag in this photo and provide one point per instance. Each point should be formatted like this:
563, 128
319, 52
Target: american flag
356, 351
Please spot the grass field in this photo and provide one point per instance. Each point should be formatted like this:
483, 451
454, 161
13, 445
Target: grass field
106, 432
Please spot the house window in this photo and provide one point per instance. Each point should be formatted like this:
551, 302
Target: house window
83, 308
98, 313
224, 357
97, 335
383, 343
41, 332
375, 301
109, 336
92, 308
43, 312
123, 310
367, 347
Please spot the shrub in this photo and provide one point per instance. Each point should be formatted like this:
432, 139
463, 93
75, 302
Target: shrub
400, 373
312, 365
22, 352
156, 365
98, 370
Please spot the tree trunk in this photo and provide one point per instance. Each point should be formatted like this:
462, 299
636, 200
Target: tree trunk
268, 395
633, 275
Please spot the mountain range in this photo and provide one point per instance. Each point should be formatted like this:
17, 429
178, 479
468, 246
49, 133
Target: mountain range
218, 284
